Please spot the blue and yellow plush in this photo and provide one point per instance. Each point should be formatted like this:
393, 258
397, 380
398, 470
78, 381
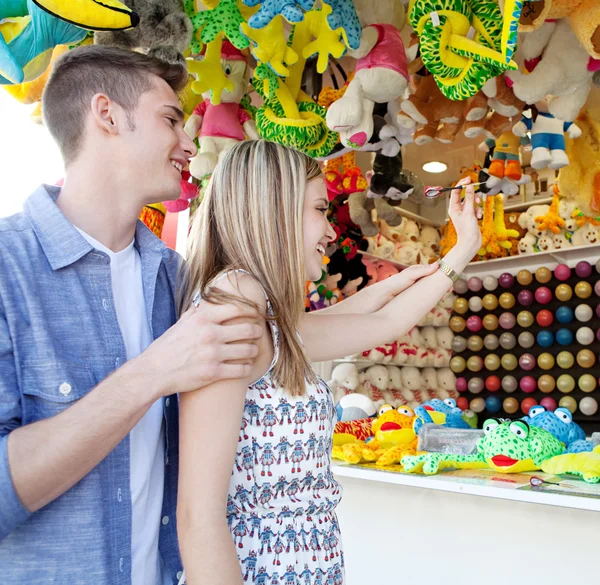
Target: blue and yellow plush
440, 412
30, 30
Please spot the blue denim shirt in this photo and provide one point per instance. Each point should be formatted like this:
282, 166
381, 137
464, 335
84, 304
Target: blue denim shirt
59, 337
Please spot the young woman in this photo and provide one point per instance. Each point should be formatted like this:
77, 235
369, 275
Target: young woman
258, 236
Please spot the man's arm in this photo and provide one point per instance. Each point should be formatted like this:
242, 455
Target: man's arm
42, 460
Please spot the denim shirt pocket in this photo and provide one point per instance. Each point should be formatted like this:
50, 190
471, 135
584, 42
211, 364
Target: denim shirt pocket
51, 387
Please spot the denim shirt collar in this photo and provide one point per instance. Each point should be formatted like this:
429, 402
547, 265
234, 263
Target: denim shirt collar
63, 245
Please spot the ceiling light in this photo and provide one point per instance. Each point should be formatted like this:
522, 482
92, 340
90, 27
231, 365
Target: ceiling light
434, 167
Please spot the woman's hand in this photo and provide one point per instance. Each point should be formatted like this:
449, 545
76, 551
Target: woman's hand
464, 216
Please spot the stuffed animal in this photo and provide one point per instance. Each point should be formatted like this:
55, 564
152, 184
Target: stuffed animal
558, 67
587, 235
344, 380
430, 380
380, 76
353, 273
375, 381
505, 157
447, 381
388, 183
430, 238
560, 241
547, 138
584, 465
579, 183
380, 246
413, 381
163, 24
220, 127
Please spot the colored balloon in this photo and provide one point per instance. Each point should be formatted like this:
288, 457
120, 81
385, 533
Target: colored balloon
564, 314
462, 403
564, 337
525, 297
563, 292
549, 403
475, 385
490, 283
459, 344
598, 310
586, 358
461, 286
475, 363
546, 361
461, 306
458, 364
565, 383
506, 280
510, 405
507, 320
526, 339
569, 403
597, 288
509, 384
457, 324
490, 302
585, 336
475, 284
508, 341
474, 324
492, 363
598, 266
543, 295
493, 404
562, 272
475, 343
583, 269
588, 406
525, 319
528, 384
490, 341
509, 362
526, 404
475, 304
545, 338
477, 405
583, 289
527, 362
543, 275
584, 312
461, 384
524, 277
546, 383
492, 383
565, 360
544, 318
507, 300
587, 383
490, 322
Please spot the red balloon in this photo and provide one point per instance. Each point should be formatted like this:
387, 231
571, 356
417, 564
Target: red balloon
492, 383
527, 403
544, 318
543, 295
462, 403
548, 403
528, 384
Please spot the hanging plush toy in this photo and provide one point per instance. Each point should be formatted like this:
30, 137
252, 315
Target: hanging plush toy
29, 30
220, 127
547, 137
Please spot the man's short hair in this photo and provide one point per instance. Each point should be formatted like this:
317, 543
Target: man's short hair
83, 72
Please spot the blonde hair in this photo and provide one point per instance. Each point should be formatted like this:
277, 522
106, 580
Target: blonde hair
251, 218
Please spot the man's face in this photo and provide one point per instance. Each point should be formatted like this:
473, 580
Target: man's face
158, 149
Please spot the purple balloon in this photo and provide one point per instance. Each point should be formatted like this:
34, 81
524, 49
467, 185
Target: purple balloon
475, 283
461, 384
543, 295
597, 288
528, 384
527, 362
506, 280
583, 269
525, 297
474, 323
562, 272
507, 320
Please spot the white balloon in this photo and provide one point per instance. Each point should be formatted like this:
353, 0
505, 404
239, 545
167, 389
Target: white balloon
588, 406
490, 283
585, 336
475, 304
583, 313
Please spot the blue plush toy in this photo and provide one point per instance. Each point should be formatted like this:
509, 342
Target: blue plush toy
442, 412
28, 33
560, 424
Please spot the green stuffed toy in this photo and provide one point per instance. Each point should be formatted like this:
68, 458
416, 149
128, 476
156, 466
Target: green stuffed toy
507, 446
585, 465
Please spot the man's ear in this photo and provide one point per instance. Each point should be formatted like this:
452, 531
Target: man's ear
105, 114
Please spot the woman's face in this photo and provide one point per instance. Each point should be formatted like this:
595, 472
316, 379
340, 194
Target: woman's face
317, 230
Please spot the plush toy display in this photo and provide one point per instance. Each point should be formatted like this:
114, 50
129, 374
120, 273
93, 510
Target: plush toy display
440, 412
219, 127
506, 447
505, 157
584, 465
344, 380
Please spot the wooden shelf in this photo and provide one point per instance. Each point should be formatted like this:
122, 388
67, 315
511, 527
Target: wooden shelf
527, 204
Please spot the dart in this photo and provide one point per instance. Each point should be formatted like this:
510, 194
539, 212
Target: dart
433, 192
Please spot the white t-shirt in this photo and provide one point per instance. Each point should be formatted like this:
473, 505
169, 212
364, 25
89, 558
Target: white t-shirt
146, 439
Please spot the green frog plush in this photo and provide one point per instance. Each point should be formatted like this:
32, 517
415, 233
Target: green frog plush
506, 446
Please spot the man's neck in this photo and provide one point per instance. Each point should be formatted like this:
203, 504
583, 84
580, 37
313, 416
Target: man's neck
98, 205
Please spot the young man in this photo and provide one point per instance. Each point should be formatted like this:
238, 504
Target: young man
91, 359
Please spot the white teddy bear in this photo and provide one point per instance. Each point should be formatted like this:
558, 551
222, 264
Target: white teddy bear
527, 244
586, 235
375, 381
380, 246
447, 381
560, 240
344, 380
413, 381
545, 243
